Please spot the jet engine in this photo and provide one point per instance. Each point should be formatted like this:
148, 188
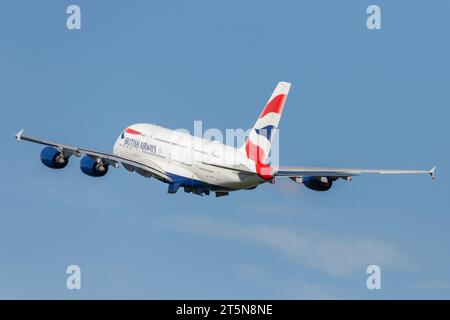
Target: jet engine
92, 167
318, 183
53, 158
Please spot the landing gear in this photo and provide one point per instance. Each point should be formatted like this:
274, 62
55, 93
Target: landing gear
221, 194
173, 188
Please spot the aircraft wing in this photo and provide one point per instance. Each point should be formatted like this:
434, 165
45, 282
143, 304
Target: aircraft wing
107, 158
298, 172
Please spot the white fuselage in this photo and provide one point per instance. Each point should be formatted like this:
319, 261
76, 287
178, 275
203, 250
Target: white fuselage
187, 159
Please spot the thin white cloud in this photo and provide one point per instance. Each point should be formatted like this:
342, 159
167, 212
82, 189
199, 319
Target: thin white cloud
315, 250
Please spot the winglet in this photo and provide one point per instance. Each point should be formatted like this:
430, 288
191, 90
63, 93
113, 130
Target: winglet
19, 135
432, 173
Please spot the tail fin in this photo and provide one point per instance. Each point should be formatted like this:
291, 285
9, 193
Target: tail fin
259, 142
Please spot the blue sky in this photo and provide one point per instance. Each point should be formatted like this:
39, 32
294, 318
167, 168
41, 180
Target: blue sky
359, 98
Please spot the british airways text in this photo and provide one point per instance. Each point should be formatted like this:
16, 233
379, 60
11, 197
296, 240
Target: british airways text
143, 146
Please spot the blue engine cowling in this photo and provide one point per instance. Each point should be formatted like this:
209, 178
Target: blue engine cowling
317, 183
52, 158
93, 168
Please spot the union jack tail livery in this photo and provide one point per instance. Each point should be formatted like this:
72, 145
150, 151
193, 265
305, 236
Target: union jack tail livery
259, 142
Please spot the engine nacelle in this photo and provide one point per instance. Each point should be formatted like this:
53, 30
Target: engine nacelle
93, 168
52, 158
318, 183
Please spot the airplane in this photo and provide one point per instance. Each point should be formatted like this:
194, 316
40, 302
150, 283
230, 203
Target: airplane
198, 165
